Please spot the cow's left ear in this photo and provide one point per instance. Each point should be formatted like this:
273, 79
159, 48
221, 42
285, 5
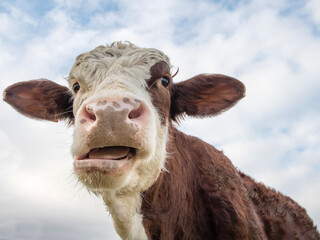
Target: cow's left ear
40, 99
205, 95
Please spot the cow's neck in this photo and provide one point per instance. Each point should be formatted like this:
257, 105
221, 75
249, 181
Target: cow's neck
125, 211
125, 205
137, 213
173, 194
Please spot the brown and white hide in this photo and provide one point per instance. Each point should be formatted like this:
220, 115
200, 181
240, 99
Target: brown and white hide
157, 182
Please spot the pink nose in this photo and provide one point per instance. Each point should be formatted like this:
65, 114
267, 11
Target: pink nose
128, 110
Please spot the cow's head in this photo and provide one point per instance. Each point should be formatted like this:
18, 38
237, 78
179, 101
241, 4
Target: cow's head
121, 102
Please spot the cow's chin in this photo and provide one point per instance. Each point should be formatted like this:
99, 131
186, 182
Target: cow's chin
107, 168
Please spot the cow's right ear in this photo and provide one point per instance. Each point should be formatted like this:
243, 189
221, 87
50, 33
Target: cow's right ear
205, 95
40, 99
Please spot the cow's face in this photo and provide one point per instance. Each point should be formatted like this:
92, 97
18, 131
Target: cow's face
120, 129
121, 102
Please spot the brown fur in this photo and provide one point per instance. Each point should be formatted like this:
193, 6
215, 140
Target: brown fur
282, 217
41, 99
200, 96
160, 95
202, 195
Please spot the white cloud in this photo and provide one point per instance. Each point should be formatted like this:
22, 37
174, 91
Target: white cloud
312, 8
272, 134
12, 22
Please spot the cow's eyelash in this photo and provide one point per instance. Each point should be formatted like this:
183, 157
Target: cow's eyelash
151, 86
165, 75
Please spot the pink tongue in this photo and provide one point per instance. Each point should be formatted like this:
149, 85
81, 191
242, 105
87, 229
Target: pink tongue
111, 153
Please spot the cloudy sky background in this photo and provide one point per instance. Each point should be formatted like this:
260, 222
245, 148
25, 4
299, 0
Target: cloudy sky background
273, 134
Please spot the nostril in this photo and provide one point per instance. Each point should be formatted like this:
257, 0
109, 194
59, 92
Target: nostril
91, 116
135, 113
90, 113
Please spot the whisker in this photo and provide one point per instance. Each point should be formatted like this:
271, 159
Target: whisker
59, 114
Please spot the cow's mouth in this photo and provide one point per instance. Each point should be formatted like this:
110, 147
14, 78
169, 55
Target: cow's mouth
106, 158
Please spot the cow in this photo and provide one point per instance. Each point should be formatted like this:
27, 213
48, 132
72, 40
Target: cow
157, 182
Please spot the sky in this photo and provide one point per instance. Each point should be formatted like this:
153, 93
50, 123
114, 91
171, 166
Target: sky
273, 134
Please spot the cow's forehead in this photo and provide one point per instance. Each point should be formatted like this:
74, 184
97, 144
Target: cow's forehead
116, 58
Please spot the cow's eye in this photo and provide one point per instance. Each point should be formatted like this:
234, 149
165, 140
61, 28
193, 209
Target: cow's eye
76, 87
165, 81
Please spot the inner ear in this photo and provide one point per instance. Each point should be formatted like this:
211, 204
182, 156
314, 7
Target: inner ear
40, 99
205, 95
